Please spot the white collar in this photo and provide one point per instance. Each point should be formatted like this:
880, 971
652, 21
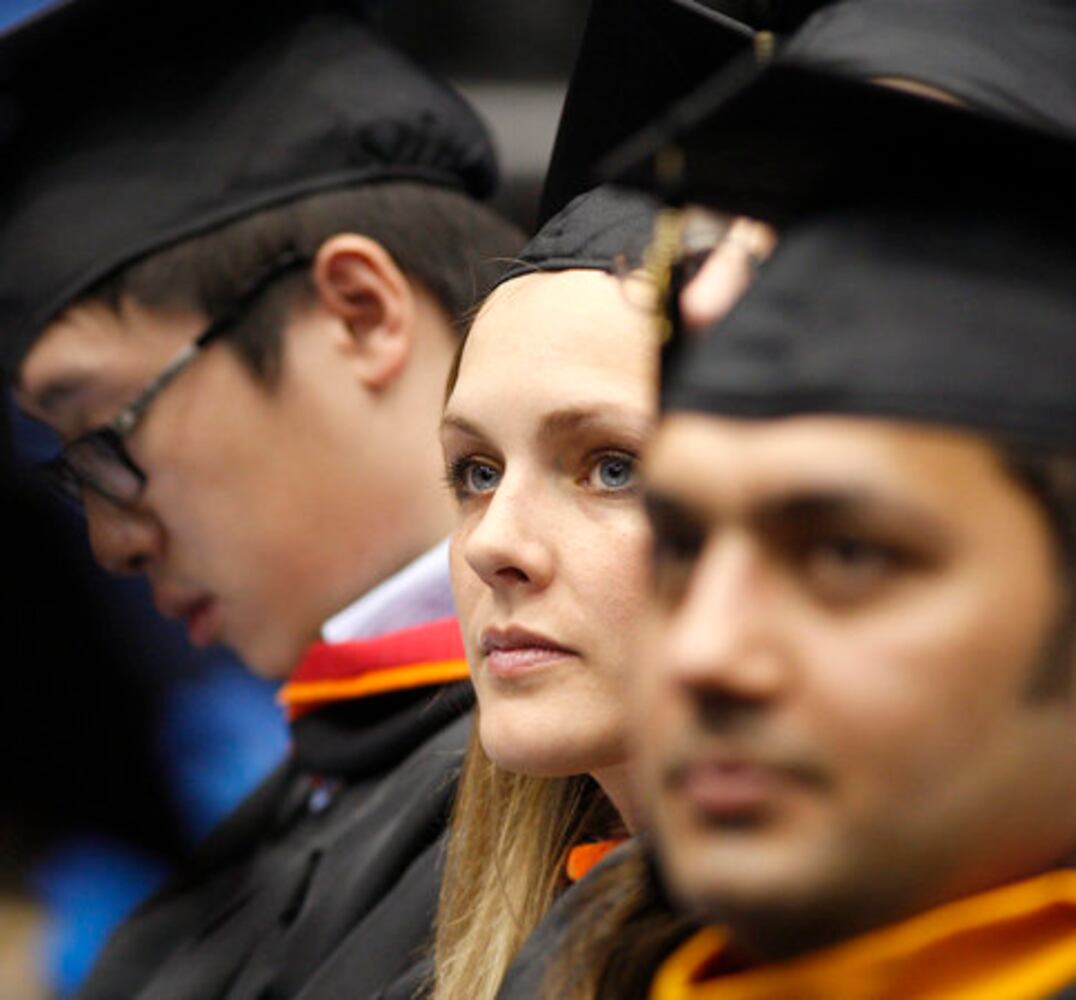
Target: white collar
420, 592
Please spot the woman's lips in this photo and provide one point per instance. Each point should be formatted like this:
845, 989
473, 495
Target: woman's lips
513, 652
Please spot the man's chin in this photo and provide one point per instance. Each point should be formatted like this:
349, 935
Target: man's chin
714, 879
271, 663
774, 907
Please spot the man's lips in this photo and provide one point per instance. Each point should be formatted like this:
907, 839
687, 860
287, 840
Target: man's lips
512, 651
732, 788
200, 614
203, 622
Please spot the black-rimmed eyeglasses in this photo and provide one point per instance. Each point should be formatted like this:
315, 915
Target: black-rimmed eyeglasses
98, 460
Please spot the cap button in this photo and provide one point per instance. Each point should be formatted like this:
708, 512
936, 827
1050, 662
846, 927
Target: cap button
669, 168
765, 46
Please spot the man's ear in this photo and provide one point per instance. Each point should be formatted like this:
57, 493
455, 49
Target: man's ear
358, 282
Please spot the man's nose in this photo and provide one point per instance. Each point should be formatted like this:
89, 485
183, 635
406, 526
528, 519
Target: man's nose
124, 540
726, 636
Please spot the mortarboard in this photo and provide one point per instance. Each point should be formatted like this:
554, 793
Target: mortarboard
635, 59
606, 229
807, 128
959, 317
141, 125
1012, 58
926, 268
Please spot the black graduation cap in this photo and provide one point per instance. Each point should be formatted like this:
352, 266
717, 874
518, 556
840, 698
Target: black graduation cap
635, 59
1012, 58
605, 229
959, 317
808, 127
142, 124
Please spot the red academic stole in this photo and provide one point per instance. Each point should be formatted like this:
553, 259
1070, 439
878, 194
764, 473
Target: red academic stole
430, 653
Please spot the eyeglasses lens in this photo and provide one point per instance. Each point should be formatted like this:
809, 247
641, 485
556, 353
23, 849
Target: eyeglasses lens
99, 462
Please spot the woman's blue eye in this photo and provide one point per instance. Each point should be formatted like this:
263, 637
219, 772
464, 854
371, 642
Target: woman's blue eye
467, 477
481, 478
615, 472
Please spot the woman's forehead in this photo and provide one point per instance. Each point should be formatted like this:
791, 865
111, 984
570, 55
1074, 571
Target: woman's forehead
535, 353
568, 291
561, 316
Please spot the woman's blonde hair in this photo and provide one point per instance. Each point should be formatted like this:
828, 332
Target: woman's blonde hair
507, 849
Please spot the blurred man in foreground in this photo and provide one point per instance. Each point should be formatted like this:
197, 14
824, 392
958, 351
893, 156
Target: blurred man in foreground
860, 735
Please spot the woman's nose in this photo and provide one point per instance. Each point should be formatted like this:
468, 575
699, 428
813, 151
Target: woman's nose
510, 545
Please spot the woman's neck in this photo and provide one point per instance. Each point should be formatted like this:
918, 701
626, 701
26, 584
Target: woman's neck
618, 784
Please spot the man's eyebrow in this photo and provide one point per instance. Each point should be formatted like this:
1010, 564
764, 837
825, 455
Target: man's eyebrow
828, 507
827, 503
819, 503
800, 505
57, 393
823, 505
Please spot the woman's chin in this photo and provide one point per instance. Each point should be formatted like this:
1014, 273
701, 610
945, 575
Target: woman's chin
536, 762
569, 724
525, 750
523, 753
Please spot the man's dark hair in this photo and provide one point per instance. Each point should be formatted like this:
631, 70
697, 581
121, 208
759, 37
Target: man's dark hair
1049, 476
442, 239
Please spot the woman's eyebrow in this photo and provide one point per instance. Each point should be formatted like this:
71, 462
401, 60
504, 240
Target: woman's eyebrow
566, 421
452, 421
573, 419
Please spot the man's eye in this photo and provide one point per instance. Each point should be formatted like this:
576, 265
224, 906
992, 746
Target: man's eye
845, 567
674, 554
472, 476
613, 472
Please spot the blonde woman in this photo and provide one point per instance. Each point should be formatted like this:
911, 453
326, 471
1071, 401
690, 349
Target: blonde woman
551, 403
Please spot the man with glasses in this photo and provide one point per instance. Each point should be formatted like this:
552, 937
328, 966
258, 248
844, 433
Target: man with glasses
235, 257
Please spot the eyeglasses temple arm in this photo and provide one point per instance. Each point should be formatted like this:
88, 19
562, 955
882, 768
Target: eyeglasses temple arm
128, 417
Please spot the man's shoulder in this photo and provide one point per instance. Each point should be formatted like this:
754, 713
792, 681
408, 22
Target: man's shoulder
307, 862
421, 753
421, 745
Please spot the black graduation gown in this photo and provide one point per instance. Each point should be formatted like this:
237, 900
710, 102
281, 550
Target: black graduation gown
323, 883
526, 975
525, 979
